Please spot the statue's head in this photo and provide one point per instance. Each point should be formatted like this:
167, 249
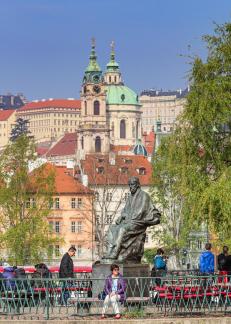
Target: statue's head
134, 184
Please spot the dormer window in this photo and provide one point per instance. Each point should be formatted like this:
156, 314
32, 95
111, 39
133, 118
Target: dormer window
100, 170
123, 97
124, 170
141, 171
128, 161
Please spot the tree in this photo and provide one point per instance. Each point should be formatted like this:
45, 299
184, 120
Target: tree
199, 150
175, 224
24, 204
20, 128
109, 185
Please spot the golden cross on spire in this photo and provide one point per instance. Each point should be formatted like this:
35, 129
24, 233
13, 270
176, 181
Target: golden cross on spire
93, 42
112, 46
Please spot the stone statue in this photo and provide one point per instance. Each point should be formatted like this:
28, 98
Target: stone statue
125, 239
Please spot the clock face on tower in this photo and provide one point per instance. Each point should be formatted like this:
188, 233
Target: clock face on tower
96, 89
95, 78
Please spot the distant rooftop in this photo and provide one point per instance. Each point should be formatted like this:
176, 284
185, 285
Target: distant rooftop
161, 93
10, 101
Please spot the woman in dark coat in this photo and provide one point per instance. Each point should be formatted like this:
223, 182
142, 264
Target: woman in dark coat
114, 289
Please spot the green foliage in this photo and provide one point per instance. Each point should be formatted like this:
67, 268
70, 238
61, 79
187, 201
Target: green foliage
24, 203
192, 168
134, 313
149, 255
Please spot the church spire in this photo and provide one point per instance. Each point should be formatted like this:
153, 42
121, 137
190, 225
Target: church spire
93, 65
112, 66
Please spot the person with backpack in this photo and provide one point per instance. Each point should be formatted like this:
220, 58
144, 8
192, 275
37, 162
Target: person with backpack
159, 265
206, 264
8, 278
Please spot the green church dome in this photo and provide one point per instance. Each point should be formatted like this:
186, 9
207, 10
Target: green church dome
121, 95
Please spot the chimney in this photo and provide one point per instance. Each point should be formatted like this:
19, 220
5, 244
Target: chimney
85, 180
11, 100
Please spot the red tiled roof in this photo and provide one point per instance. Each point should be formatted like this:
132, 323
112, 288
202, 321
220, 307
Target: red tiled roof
53, 103
5, 114
121, 148
65, 183
113, 173
66, 146
41, 150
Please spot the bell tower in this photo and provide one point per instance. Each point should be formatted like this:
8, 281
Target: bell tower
112, 74
93, 132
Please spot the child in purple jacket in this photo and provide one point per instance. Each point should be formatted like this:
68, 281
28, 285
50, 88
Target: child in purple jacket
114, 288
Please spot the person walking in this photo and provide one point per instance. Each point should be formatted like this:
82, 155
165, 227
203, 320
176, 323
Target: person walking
159, 266
66, 271
206, 264
223, 259
114, 290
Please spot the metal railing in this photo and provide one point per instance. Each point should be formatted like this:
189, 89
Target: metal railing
152, 297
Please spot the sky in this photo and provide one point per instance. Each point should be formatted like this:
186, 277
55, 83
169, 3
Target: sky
45, 44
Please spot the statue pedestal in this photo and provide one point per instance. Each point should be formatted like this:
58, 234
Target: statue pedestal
137, 286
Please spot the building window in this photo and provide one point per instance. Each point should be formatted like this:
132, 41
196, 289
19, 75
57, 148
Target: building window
109, 79
57, 227
79, 227
79, 250
80, 202
97, 219
115, 78
51, 226
109, 196
85, 106
112, 129
126, 195
97, 144
146, 238
96, 107
122, 129
73, 204
30, 203
124, 170
57, 206
82, 142
137, 129
109, 219
100, 170
96, 196
57, 251
73, 228
142, 171
199, 245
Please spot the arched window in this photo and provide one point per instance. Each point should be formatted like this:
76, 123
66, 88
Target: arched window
97, 144
115, 79
133, 130
96, 107
82, 143
137, 129
109, 79
85, 106
112, 129
122, 129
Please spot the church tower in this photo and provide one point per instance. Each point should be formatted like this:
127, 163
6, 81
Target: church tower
112, 74
94, 132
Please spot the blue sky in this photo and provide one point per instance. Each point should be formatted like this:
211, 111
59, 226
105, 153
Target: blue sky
45, 44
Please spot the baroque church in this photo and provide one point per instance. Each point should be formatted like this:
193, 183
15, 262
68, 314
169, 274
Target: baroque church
110, 111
